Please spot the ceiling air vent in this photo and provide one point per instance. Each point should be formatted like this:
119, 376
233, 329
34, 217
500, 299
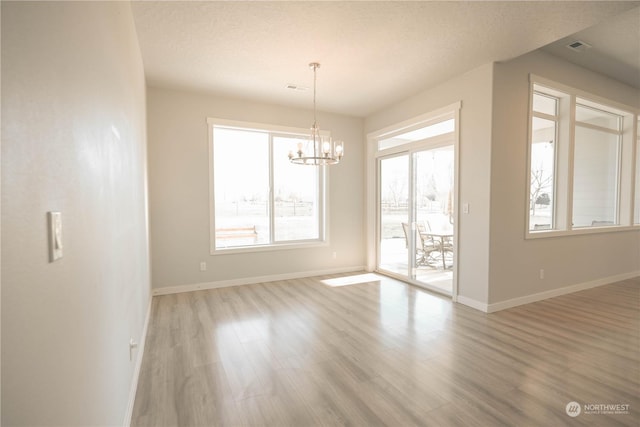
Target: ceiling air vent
578, 46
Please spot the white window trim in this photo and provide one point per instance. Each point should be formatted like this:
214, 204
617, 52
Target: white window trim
563, 209
556, 194
323, 200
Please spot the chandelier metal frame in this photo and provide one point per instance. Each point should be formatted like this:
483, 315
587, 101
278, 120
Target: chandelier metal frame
322, 150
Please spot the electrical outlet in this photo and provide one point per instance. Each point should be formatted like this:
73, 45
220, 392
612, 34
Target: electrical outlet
541, 274
203, 266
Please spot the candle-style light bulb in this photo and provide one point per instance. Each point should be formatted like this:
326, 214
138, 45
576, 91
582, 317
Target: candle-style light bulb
326, 147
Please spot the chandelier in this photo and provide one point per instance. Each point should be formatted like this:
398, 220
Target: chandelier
317, 150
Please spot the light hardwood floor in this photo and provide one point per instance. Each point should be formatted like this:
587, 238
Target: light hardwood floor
380, 352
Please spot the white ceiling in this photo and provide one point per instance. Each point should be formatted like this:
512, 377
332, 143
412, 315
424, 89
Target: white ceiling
372, 53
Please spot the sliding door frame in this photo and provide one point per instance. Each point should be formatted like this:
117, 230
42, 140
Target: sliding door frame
373, 220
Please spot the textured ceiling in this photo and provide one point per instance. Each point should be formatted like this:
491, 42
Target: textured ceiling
372, 53
615, 48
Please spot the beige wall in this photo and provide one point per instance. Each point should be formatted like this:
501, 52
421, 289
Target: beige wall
179, 193
474, 90
515, 262
73, 140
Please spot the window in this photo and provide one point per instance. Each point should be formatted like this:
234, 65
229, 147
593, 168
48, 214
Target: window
581, 163
422, 132
543, 158
259, 199
596, 166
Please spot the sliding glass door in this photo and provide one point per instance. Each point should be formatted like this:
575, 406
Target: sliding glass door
395, 234
416, 215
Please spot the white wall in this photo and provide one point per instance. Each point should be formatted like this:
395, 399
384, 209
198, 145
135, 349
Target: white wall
73, 140
179, 193
567, 261
474, 90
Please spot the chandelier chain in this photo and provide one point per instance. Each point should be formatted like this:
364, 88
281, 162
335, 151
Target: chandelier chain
315, 69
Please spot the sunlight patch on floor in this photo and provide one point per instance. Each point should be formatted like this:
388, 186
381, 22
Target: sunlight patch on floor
352, 280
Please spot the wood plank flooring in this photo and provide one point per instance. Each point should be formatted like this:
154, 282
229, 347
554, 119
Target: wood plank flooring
379, 352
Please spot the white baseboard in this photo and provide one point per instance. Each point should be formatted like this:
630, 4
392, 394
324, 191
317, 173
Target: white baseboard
527, 299
251, 280
472, 303
502, 305
136, 368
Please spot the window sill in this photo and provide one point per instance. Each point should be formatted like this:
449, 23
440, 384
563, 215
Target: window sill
270, 247
543, 234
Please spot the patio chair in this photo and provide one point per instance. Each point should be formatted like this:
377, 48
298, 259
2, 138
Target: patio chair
428, 245
420, 255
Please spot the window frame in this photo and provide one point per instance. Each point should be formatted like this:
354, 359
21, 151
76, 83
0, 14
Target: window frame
556, 120
566, 125
273, 131
619, 134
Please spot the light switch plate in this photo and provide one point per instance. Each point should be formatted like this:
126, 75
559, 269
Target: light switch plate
55, 235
